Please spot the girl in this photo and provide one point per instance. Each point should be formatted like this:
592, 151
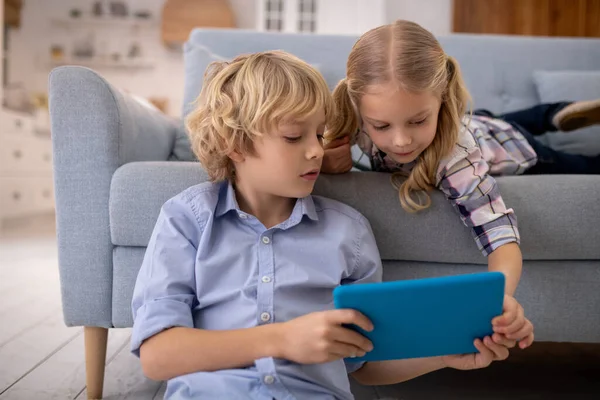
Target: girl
403, 101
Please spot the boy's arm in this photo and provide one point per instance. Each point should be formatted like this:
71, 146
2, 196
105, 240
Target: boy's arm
312, 338
179, 351
164, 336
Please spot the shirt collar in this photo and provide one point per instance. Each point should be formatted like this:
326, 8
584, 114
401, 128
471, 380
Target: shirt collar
227, 202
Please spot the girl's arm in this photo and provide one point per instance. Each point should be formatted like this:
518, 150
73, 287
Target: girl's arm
468, 185
512, 325
396, 371
508, 260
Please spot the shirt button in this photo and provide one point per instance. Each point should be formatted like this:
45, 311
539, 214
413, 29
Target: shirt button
243, 216
266, 279
269, 379
266, 240
265, 316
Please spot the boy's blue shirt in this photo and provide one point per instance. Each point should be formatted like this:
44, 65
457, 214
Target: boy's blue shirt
209, 265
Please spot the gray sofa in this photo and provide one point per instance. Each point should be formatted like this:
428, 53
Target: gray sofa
117, 161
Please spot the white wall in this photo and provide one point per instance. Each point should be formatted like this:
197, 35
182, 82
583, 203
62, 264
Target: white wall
434, 15
245, 13
349, 17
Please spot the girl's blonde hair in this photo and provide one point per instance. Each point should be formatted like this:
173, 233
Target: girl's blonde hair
250, 96
409, 56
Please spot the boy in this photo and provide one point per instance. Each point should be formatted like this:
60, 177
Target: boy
234, 296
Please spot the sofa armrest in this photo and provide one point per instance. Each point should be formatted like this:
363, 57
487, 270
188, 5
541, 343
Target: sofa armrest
95, 129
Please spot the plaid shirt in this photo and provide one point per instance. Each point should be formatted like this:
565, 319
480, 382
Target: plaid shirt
485, 147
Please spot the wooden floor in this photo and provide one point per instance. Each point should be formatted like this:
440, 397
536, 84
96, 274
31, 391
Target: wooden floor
40, 358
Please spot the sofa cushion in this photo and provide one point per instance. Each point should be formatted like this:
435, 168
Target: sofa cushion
557, 215
497, 68
196, 60
138, 191
557, 86
554, 86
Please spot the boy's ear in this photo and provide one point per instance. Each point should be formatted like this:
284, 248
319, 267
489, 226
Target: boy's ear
236, 156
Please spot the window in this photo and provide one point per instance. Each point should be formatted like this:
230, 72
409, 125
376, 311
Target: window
307, 16
274, 15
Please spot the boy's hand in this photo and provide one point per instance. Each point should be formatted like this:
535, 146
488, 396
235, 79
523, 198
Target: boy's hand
338, 156
488, 352
319, 337
512, 324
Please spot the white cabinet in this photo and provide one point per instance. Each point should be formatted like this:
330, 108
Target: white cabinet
352, 17
26, 183
25, 155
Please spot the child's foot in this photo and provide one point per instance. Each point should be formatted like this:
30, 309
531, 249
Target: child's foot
578, 115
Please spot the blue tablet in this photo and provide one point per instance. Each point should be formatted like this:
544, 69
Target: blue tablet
425, 317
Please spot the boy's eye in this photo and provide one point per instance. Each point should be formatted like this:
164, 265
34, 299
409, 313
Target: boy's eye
381, 127
292, 139
421, 122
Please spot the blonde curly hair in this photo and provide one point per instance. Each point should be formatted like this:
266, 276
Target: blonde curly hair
405, 54
250, 96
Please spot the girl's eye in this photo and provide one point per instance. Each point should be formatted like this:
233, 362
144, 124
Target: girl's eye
292, 139
381, 127
421, 122
321, 137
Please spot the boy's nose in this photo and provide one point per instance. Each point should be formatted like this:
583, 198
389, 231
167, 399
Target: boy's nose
315, 150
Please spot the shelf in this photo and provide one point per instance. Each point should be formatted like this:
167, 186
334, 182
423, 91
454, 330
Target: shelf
101, 63
89, 21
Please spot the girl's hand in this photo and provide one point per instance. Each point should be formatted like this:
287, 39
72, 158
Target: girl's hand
502, 340
338, 157
512, 324
488, 352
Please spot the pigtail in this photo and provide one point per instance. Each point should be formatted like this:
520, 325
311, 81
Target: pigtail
414, 191
455, 101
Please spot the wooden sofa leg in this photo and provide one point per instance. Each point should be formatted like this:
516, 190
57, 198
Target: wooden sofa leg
95, 359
